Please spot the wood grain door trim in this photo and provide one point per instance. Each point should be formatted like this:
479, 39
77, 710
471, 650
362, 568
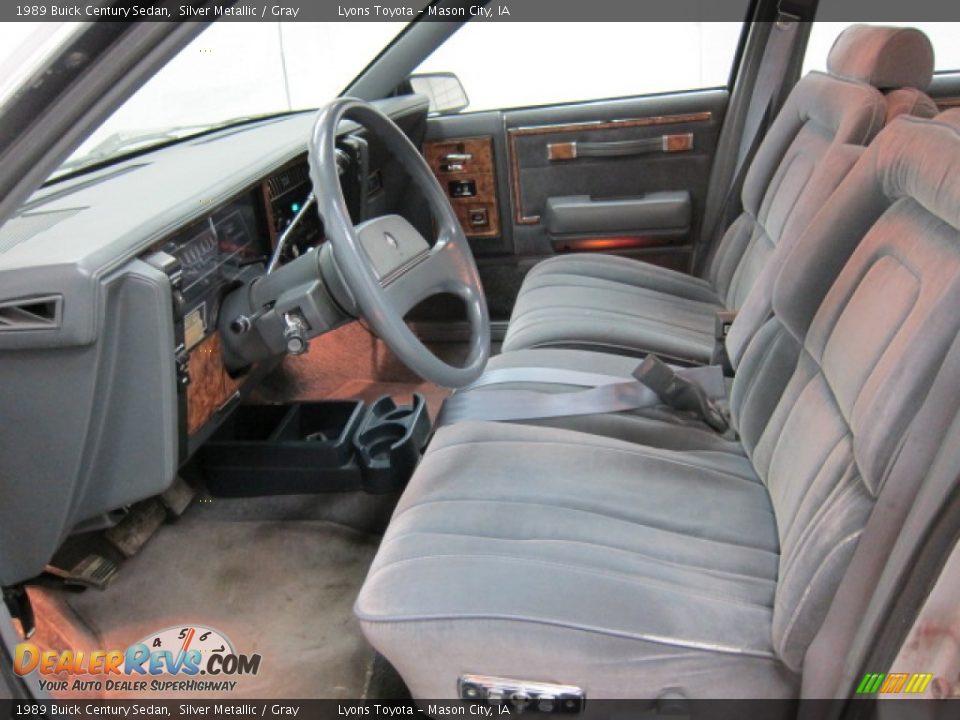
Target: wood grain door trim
514, 133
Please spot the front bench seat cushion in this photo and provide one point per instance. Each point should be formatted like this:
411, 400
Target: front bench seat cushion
563, 568
605, 303
581, 301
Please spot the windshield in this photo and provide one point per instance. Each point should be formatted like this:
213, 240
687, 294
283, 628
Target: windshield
235, 71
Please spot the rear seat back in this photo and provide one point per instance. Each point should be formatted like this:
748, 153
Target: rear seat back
884, 257
822, 112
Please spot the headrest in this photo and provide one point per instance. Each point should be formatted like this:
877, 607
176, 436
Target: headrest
883, 56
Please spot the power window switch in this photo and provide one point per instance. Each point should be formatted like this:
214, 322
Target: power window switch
462, 188
478, 217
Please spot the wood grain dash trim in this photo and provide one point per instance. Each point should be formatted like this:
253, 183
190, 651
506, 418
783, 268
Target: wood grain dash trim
210, 385
517, 132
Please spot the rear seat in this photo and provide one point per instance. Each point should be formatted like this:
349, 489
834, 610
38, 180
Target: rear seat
558, 556
619, 305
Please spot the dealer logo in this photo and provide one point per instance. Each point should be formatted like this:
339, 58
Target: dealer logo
180, 654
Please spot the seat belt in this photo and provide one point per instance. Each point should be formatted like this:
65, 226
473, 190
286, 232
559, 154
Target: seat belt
777, 54
687, 390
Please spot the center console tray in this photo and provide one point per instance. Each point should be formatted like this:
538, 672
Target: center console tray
316, 447
283, 449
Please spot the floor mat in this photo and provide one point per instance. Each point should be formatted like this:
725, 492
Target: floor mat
284, 590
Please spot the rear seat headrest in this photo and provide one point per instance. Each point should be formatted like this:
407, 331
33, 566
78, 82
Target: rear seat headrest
883, 56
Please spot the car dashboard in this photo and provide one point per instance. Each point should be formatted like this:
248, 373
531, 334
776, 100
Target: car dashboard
229, 245
110, 289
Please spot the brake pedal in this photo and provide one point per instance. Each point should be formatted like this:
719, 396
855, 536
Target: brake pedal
92, 570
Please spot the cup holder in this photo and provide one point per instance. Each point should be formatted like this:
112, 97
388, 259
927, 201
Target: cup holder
389, 442
378, 440
398, 414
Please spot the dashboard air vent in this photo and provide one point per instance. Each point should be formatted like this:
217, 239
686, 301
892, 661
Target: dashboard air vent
33, 313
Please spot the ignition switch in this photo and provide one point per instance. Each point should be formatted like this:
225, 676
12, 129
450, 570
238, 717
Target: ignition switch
295, 334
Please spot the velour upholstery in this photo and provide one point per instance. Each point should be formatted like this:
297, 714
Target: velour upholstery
885, 57
909, 101
621, 305
606, 303
523, 552
550, 554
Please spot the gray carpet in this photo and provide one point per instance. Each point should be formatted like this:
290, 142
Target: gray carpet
283, 589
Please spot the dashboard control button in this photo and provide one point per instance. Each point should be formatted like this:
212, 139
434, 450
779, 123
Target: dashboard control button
462, 188
478, 217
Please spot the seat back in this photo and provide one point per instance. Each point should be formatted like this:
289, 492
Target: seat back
832, 397
801, 159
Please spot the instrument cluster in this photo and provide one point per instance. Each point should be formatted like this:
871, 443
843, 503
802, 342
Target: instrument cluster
214, 254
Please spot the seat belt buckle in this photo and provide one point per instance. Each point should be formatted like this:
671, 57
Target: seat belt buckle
721, 329
722, 324
678, 392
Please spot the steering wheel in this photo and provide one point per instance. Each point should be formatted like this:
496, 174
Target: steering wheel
384, 264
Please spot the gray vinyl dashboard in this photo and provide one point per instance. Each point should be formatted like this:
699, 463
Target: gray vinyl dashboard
88, 402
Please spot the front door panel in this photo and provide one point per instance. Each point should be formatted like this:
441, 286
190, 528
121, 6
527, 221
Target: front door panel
622, 176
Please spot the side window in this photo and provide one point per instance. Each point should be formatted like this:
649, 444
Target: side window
943, 36
515, 64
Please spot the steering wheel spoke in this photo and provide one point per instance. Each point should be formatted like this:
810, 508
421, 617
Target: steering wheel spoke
432, 273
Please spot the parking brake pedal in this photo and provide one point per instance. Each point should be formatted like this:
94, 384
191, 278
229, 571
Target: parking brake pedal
522, 696
92, 570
